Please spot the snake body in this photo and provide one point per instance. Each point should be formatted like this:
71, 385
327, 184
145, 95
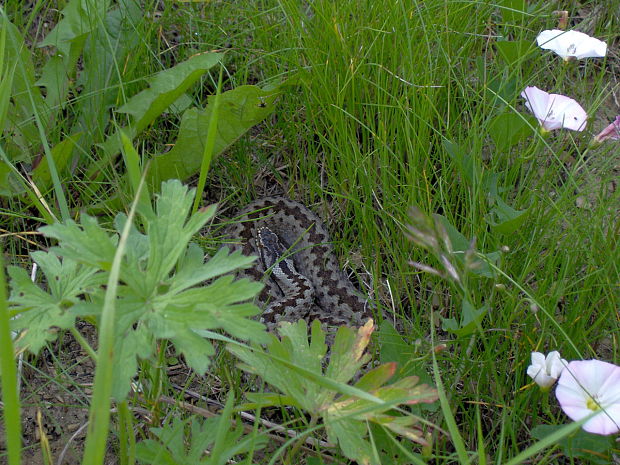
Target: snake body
303, 279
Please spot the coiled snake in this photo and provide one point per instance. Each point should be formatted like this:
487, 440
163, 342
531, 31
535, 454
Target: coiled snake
304, 280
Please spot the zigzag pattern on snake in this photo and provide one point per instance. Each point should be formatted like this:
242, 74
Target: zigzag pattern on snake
305, 281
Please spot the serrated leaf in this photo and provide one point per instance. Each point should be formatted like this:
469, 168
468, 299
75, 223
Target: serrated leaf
161, 293
87, 243
177, 444
347, 354
349, 435
196, 350
346, 410
44, 312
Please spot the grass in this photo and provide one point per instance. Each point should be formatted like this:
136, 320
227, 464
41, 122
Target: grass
383, 88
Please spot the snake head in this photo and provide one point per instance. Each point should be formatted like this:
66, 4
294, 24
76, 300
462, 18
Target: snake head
269, 245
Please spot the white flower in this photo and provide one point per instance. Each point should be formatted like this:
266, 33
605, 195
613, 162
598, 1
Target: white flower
546, 370
589, 386
571, 44
554, 111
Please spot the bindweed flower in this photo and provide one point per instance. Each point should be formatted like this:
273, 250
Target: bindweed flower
571, 44
589, 386
554, 111
610, 132
546, 370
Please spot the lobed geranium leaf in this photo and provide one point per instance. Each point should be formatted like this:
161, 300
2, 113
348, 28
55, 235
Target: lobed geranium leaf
350, 436
162, 291
87, 243
42, 313
213, 434
294, 366
347, 353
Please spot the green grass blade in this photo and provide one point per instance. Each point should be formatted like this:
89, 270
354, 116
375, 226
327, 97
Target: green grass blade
6, 76
134, 173
457, 439
207, 155
99, 415
10, 396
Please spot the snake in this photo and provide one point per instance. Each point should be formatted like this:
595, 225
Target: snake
297, 264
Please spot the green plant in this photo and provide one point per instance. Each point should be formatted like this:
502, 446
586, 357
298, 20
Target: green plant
295, 367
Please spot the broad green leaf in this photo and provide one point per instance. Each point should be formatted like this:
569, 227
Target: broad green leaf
105, 62
580, 445
55, 78
62, 154
504, 219
514, 52
240, 109
164, 89
25, 135
513, 11
464, 162
470, 320
508, 129
79, 19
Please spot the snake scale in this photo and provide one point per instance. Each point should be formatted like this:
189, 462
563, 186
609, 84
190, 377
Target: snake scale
302, 277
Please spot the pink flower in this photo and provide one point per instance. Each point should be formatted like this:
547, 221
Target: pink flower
590, 386
610, 132
554, 111
571, 44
